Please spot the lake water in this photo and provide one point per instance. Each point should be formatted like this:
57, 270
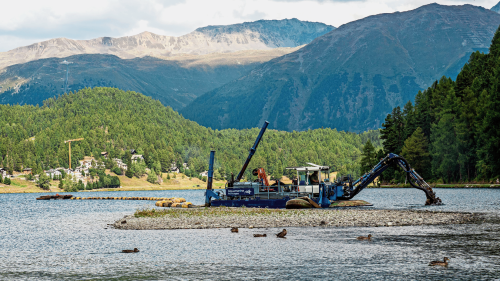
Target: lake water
69, 239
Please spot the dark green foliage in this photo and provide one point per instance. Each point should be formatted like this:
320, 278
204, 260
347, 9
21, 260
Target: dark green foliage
461, 121
80, 185
1, 178
44, 181
6, 181
129, 173
117, 171
415, 150
152, 178
107, 181
116, 121
368, 157
61, 184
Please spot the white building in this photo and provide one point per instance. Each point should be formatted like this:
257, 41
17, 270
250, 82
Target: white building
137, 157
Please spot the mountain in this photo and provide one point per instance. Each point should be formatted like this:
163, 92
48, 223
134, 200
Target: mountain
258, 35
116, 121
351, 77
174, 70
496, 8
174, 82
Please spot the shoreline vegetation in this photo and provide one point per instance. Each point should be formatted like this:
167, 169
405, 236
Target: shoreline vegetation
23, 186
227, 217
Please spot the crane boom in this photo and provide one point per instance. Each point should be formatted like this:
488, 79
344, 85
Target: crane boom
69, 141
73, 140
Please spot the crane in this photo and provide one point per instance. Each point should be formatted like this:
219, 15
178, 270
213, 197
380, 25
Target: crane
69, 141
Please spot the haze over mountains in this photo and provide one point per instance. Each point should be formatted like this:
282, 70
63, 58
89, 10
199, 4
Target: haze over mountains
258, 35
351, 77
174, 70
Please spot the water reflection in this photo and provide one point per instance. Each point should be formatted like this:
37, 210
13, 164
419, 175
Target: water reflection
68, 239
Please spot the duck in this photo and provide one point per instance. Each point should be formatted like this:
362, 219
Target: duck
234, 229
135, 250
369, 238
281, 234
260, 235
440, 263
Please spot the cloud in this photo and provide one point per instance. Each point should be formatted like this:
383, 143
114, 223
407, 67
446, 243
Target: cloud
24, 22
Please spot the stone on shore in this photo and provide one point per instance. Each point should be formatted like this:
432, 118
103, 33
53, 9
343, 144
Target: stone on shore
202, 218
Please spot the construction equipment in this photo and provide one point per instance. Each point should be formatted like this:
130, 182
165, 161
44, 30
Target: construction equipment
69, 141
309, 184
261, 174
351, 188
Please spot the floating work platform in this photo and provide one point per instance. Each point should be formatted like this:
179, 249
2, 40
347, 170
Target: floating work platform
55, 197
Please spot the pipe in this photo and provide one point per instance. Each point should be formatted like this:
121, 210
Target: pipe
211, 170
252, 151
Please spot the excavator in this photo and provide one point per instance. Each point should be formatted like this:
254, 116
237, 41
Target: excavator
263, 195
352, 188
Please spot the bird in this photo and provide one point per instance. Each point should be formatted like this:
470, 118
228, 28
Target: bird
260, 235
281, 234
234, 229
135, 250
365, 238
440, 263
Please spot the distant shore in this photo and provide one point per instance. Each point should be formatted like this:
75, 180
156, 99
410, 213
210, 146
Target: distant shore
19, 186
223, 217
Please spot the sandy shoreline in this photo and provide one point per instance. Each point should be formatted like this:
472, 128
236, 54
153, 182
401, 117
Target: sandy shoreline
293, 218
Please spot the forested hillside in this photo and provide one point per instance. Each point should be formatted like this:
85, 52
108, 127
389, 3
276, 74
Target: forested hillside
113, 120
451, 133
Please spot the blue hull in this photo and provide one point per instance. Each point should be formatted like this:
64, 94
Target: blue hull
257, 203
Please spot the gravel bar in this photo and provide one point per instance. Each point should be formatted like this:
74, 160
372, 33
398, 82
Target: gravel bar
253, 218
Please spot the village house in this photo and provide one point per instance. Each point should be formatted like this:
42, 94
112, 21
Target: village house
185, 165
204, 174
27, 171
104, 154
137, 157
87, 161
173, 168
120, 164
52, 173
133, 151
3, 172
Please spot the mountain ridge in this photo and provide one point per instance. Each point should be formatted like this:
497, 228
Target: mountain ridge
258, 35
351, 77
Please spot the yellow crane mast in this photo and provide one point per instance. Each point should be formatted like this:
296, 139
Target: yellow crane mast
69, 141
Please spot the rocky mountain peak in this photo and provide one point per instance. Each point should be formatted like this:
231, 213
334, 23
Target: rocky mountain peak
258, 35
496, 8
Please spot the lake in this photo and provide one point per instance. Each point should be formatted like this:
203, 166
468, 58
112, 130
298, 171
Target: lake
70, 239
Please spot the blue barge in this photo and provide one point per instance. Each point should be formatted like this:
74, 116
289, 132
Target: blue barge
312, 184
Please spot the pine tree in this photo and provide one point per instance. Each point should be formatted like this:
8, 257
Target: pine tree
368, 157
416, 152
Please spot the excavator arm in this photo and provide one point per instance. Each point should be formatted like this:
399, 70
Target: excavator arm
351, 189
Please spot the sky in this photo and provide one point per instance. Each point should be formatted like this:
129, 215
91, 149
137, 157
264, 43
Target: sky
24, 22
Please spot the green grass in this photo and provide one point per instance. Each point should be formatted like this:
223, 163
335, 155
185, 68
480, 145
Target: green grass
215, 212
18, 184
